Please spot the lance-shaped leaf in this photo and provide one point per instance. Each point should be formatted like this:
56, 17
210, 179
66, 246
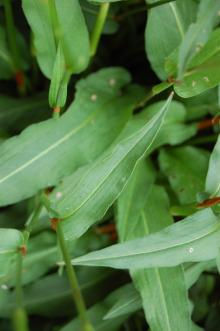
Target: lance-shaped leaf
161, 39
130, 299
203, 72
197, 33
194, 239
75, 45
212, 185
83, 198
158, 294
10, 241
96, 314
51, 295
38, 15
174, 131
47, 151
186, 169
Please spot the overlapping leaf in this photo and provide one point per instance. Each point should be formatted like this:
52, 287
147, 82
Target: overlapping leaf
139, 214
213, 179
194, 239
186, 169
47, 151
197, 33
38, 15
10, 242
130, 300
161, 39
83, 198
51, 296
204, 69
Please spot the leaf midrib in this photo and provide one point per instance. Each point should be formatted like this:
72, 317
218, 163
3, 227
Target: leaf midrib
153, 121
55, 145
217, 227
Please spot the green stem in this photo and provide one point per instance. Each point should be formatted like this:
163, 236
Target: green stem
99, 24
11, 33
156, 90
13, 46
33, 218
19, 318
76, 292
159, 3
18, 288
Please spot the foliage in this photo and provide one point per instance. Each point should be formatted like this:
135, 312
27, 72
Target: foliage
109, 165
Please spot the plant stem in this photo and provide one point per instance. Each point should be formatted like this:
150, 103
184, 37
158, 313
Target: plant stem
76, 292
20, 319
12, 40
99, 24
18, 288
11, 33
33, 218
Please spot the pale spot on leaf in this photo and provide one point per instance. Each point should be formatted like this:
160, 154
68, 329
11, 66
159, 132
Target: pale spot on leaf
112, 82
58, 195
93, 97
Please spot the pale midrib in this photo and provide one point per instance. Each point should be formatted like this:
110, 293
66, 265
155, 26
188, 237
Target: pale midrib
116, 312
217, 227
156, 270
46, 151
178, 21
153, 121
127, 211
8, 251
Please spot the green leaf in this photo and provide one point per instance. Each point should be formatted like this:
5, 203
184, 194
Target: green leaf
76, 46
174, 131
51, 296
139, 214
38, 261
91, 12
130, 301
10, 241
47, 151
59, 81
197, 33
97, 313
83, 198
194, 239
161, 38
38, 15
212, 185
186, 169
203, 72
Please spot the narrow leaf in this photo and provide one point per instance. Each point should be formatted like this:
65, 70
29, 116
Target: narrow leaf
197, 33
38, 12
161, 38
47, 151
153, 284
194, 239
10, 241
213, 177
84, 198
